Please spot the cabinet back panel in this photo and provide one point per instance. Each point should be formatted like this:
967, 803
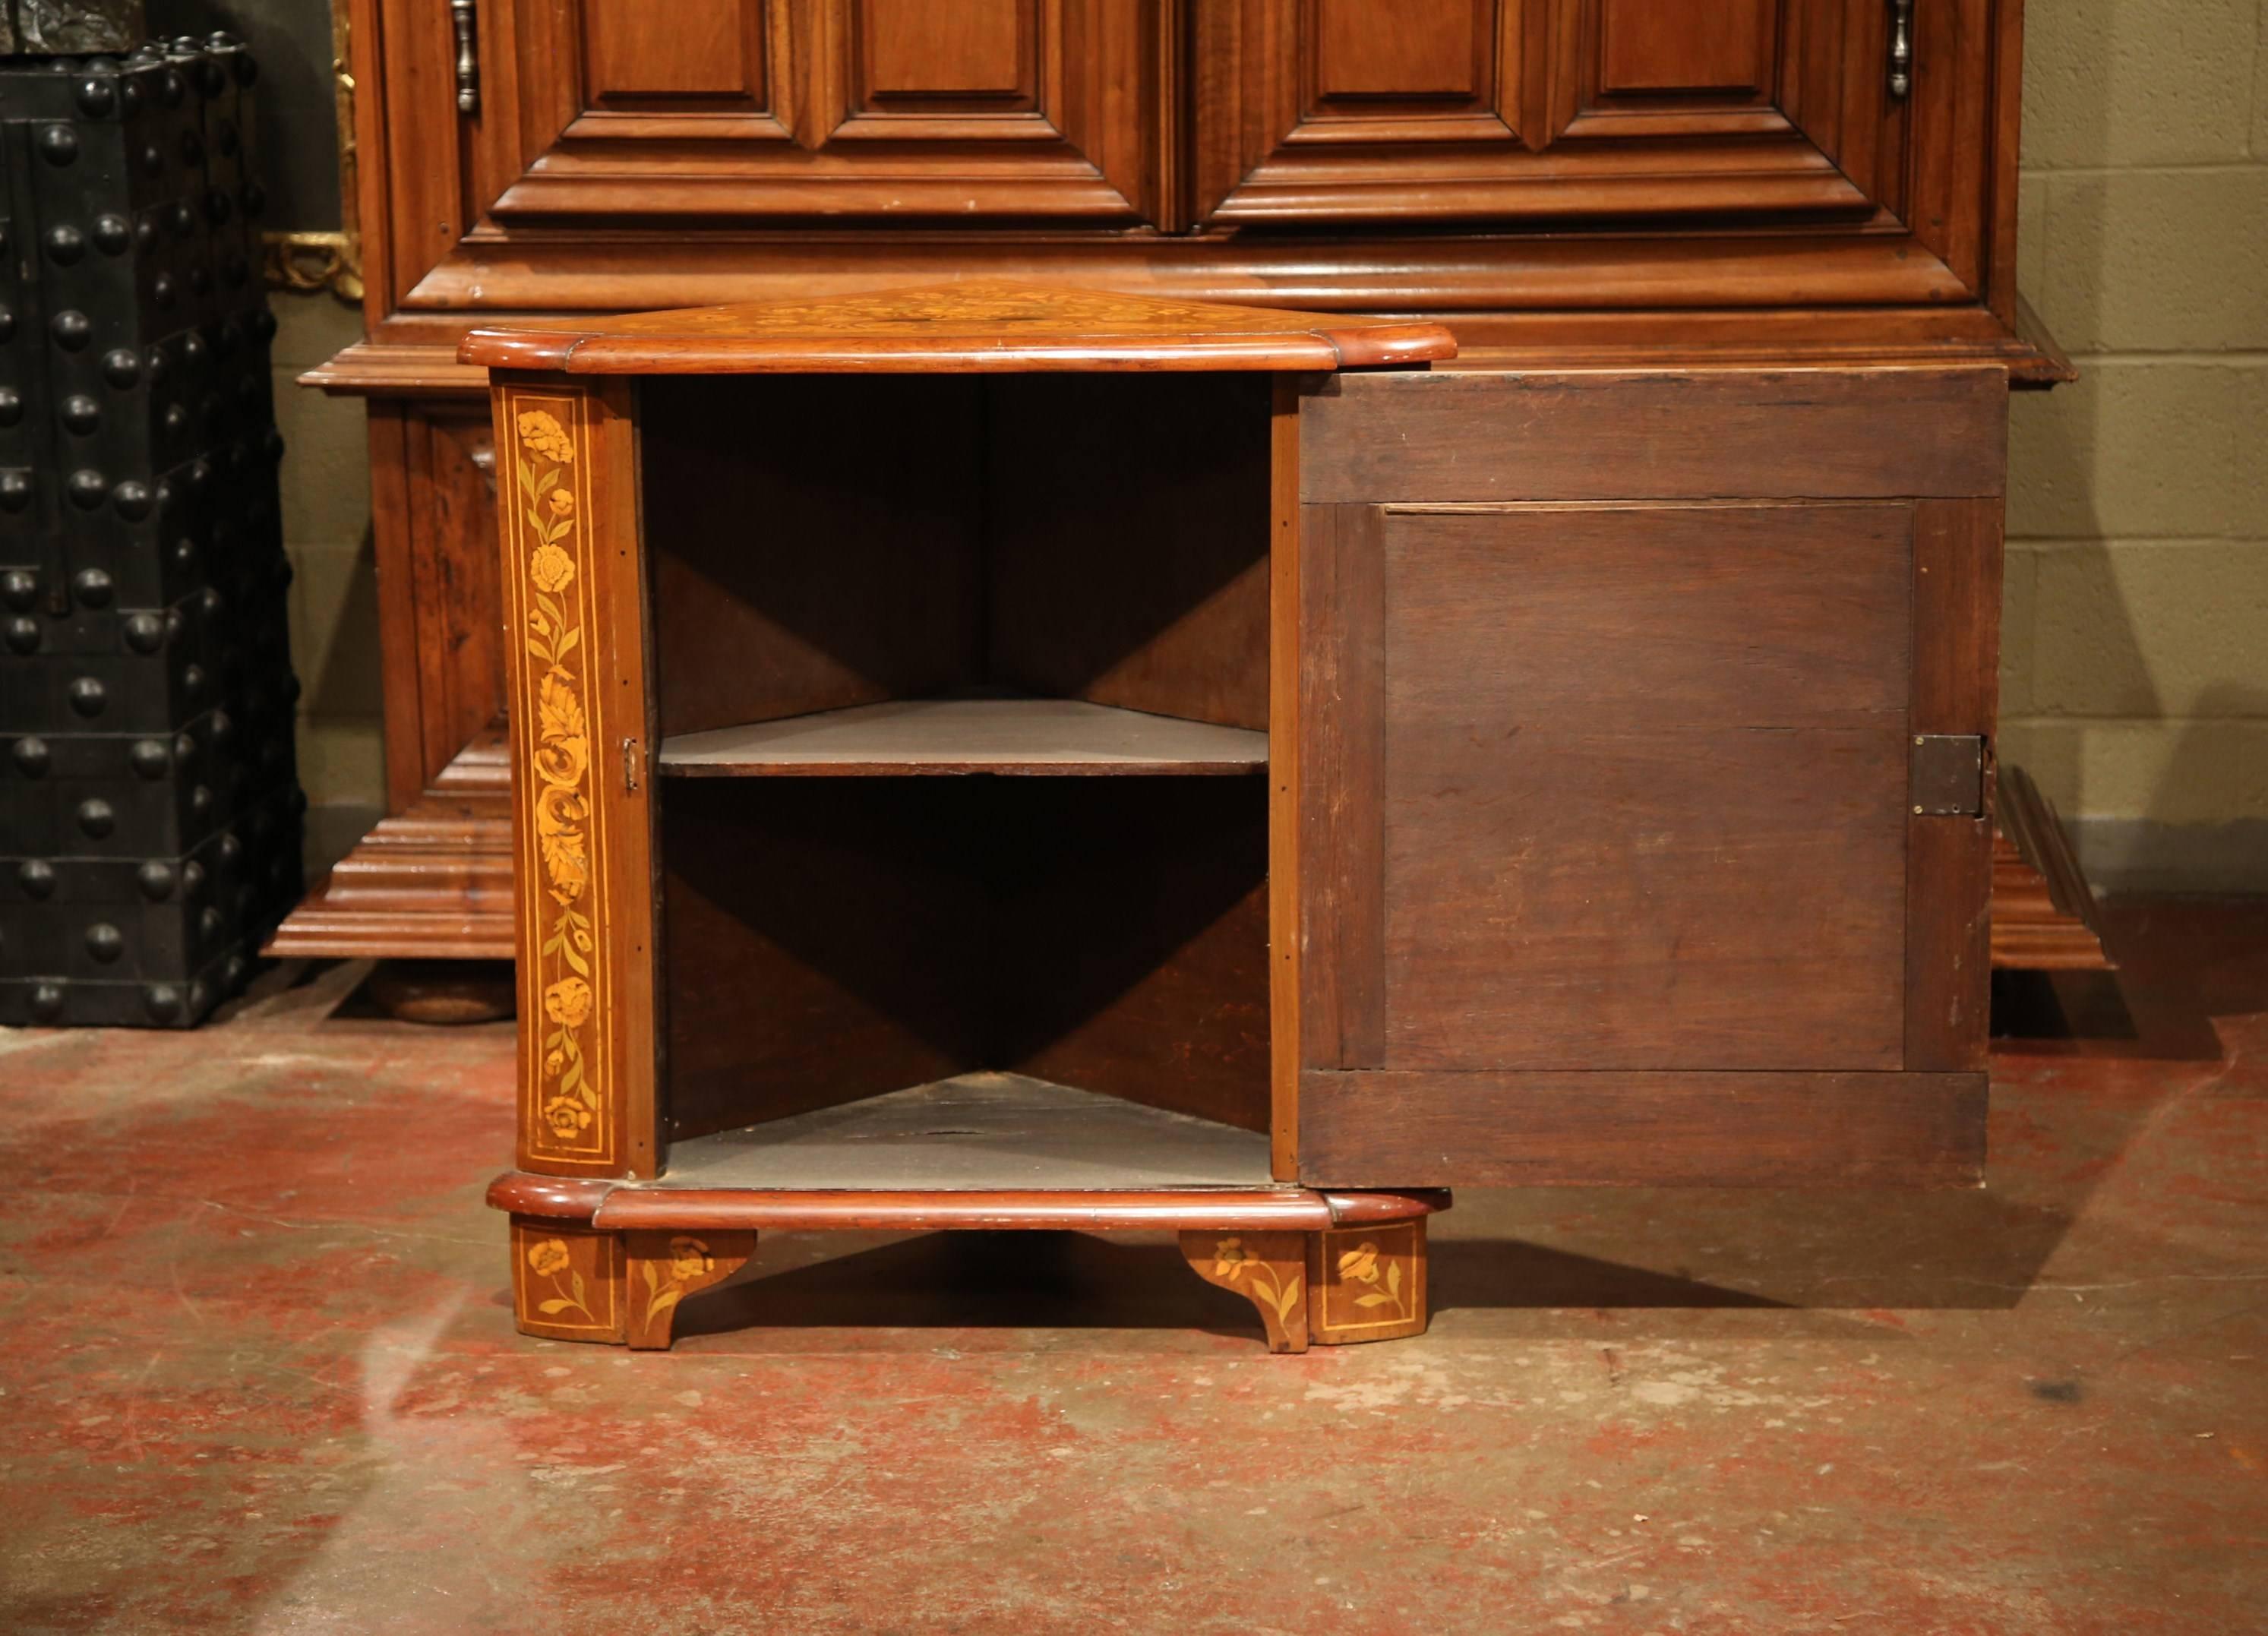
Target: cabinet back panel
1126, 529
1641, 765
830, 939
818, 945
813, 543
1131, 951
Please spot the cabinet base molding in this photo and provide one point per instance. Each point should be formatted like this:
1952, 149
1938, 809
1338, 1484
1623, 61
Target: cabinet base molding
2043, 914
432, 882
600, 1260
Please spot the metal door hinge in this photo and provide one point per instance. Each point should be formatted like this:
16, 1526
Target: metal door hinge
469, 56
1902, 49
633, 762
1946, 778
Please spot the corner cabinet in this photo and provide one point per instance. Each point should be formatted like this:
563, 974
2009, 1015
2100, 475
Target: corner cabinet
999, 757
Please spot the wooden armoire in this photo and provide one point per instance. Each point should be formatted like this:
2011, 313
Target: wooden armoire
1746, 253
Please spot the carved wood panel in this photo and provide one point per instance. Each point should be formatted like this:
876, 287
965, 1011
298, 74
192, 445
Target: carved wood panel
450, 520
715, 56
771, 109
1477, 109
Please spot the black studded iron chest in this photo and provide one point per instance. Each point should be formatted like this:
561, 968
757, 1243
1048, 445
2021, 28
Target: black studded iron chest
150, 809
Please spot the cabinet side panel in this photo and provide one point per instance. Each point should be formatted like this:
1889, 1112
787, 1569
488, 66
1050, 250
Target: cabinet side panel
1642, 1130
1956, 641
1341, 658
571, 582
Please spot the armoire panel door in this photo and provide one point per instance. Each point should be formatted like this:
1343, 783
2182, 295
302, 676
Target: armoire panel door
1478, 110
983, 110
1634, 842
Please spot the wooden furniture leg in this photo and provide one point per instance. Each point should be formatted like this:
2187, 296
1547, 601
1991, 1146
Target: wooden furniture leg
667, 1267
1269, 1270
1367, 1283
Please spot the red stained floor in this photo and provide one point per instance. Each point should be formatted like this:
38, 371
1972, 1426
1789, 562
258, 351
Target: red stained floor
258, 1375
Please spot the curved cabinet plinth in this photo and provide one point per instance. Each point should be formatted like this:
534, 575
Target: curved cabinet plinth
602, 1261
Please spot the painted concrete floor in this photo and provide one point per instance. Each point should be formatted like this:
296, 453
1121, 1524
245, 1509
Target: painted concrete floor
260, 1377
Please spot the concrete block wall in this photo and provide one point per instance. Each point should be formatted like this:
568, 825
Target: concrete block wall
2134, 678
325, 480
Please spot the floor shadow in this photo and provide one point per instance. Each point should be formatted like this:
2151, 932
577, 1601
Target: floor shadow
958, 1281
1071, 1280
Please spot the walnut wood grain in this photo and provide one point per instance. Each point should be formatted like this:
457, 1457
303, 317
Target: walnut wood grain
989, 324
2043, 912
1629, 865
660, 1269
1357, 1209
1957, 652
1214, 1210
554, 1197
644, 1205
1367, 1282
567, 1281
1340, 650
1109, 934
1126, 541
433, 882
802, 570
1287, 779
1824, 434
1500, 1129
1269, 1269
572, 568
415, 354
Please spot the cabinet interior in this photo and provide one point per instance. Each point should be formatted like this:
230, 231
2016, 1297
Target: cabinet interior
864, 589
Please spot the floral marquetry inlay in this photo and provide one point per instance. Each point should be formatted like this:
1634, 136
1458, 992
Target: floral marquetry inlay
566, 1280
569, 1093
1369, 1282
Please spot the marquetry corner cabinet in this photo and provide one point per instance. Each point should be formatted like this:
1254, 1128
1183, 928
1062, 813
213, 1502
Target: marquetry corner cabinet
1663, 612
990, 755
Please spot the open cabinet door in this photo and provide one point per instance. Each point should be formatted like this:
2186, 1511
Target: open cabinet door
1644, 762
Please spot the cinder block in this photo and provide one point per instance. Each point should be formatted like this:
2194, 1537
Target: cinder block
2140, 449
2114, 82
2018, 577
326, 474
2260, 91
2152, 628
335, 630
2157, 260
342, 760
2032, 229
2178, 772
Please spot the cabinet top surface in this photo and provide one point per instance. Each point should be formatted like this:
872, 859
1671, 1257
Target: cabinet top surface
973, 325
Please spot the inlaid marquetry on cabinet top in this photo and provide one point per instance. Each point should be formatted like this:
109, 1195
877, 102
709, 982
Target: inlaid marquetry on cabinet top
975, 324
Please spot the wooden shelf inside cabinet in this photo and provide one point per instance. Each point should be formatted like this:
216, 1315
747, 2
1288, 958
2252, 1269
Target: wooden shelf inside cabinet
1006, 736
975, 1132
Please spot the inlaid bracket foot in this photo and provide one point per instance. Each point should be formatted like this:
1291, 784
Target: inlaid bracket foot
573, 1283
1367, 1282
566, 1280
1269, 1270
667, 1267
